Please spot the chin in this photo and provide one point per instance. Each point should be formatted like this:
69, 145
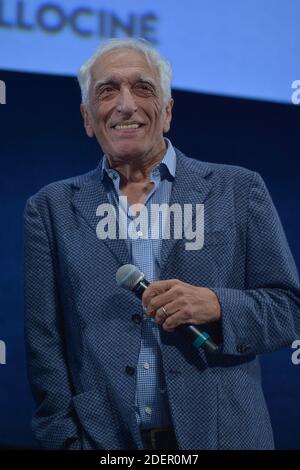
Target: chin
128, 152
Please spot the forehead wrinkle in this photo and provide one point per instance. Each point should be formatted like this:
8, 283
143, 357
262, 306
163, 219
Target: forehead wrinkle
117, 80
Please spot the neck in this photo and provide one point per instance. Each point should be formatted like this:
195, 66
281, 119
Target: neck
138, 169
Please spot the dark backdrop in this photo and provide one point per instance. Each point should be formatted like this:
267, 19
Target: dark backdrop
42, 140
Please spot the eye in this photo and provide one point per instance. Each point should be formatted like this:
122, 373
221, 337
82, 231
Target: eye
144, 88
106, 89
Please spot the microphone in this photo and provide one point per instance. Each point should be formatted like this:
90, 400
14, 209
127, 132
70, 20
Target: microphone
129, 277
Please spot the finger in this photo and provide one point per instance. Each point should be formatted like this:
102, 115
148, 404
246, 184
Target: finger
171, 308
162, 299
157, 288
179, 318
161, 315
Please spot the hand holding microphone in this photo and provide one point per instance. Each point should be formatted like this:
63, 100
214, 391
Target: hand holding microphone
177, 303
174, 304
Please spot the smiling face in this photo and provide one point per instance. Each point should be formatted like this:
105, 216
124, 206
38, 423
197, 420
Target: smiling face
126, 112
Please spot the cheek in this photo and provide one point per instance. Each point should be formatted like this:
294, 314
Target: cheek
158, 117
100, 113
95, 115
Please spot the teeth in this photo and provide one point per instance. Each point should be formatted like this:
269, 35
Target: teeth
127, 126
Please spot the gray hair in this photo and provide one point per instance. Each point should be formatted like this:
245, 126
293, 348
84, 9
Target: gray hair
141, 45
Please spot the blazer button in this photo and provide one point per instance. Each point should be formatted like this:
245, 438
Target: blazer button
242, 348
129, 370
136, 319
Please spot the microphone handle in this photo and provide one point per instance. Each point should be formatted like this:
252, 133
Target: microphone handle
140, 288
200, 339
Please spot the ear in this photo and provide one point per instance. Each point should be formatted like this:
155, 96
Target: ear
86, 121
168, 115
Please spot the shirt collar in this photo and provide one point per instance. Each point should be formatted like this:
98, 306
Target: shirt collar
167, 166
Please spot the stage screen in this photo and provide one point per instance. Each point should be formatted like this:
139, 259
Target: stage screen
235, 48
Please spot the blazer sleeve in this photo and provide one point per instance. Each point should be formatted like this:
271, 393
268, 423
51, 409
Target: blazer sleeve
54, 422
266, 315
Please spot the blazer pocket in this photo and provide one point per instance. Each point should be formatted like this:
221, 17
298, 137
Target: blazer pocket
97, 417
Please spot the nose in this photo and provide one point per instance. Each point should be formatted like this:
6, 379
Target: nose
126, 102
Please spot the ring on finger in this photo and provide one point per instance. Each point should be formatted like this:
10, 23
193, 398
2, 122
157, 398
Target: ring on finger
165, 313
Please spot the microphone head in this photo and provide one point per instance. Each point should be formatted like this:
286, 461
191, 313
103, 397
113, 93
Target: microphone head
128, 276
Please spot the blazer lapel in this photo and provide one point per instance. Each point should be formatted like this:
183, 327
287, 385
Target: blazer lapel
190, 186
90, 193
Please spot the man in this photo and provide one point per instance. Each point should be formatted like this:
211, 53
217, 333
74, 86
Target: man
106, 374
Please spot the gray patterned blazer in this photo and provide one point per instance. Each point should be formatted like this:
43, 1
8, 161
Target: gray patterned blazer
83, 332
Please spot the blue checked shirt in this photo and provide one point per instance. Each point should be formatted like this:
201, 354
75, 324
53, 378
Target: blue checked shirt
152, 407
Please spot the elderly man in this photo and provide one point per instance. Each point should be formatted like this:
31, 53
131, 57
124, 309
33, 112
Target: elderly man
108, 372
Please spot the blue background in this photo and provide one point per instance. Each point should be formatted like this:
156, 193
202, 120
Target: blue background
42, 140
246, 48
